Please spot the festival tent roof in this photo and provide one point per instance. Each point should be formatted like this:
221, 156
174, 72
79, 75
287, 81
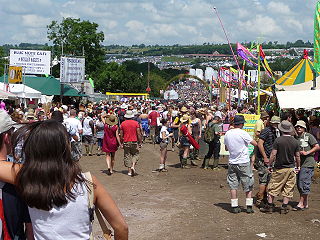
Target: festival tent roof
49, 86
22, 91
6, 95
300, 87
300, 73
298, 99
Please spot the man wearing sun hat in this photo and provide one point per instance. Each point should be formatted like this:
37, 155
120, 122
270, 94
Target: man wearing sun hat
239, 169
131, 138
308, 146
266, 139
286, 158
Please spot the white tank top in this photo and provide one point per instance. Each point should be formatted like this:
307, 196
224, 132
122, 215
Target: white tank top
70, 221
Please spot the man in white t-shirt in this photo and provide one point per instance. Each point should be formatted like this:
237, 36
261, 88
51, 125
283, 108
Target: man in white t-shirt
74, 123
236, 141
88, 131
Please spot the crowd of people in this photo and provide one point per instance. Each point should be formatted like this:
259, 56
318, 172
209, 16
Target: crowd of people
41, 147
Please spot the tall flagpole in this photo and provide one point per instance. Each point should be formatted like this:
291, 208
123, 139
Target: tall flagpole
259, 78
234, 56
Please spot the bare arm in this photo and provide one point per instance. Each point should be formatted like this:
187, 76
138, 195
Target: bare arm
8, 173
254, 143
121, 136
110, 211
139, 135
298, 160
29, 231
262, 151
118, 137
272, 156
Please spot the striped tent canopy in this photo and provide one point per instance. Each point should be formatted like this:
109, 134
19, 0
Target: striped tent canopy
300, 73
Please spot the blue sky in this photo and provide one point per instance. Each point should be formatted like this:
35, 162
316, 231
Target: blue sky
128, 22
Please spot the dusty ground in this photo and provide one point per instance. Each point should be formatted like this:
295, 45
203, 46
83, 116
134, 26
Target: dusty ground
193, 203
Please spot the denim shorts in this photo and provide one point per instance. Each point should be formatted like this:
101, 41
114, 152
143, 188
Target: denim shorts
240, 173
304, 180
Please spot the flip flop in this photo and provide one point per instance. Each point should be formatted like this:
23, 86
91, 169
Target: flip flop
296, 208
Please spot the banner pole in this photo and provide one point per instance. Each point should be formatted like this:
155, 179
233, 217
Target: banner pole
259, 79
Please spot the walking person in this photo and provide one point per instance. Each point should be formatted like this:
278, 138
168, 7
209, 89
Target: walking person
239, 169
215, 126
145, 124
286, 158
308, 147
164, 135
99, 129
75, 125
111, 140
184, 142
153, 123
88, 132
131, 137
196, 127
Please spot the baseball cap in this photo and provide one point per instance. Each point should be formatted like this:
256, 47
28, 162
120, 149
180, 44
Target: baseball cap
6, 122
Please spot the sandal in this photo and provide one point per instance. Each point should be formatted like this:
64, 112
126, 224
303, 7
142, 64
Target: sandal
296, 208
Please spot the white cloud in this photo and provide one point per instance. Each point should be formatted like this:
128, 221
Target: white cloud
163, 22
279, 7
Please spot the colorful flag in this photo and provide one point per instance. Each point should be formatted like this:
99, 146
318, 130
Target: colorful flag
265, 63
245, 54
91, 82
317, 38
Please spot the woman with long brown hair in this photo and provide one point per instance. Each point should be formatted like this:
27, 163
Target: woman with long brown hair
53, 186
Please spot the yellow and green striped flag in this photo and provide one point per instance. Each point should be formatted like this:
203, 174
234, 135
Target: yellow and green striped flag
317, 38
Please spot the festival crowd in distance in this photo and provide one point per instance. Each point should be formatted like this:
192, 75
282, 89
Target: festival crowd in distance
41, 147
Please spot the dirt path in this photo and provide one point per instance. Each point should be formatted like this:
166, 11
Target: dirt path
193, 203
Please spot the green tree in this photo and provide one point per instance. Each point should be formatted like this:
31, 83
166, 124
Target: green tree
78, 38
3, 61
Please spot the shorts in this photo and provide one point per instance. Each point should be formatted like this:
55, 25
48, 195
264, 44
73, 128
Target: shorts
87, 139
304, 180
131, 153
264, 174
184, 141
163, 145
282, 181
99, 141
240, 173
153, 130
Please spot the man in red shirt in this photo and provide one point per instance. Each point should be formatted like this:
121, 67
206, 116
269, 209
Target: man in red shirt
131, 137
153, 116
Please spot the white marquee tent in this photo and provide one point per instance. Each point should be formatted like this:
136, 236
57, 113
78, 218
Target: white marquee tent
306, 99
22, 91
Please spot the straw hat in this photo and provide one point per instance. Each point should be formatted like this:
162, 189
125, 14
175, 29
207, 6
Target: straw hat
112, 120
274, 119
264, 115
301, 123
129, 114
286, 126
185, 118
30, 114
184, 109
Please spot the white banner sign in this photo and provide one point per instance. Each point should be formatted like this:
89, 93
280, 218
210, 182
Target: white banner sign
72, 70
253, 76
32, 61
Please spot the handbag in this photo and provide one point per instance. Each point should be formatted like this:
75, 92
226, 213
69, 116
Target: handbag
107, 233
